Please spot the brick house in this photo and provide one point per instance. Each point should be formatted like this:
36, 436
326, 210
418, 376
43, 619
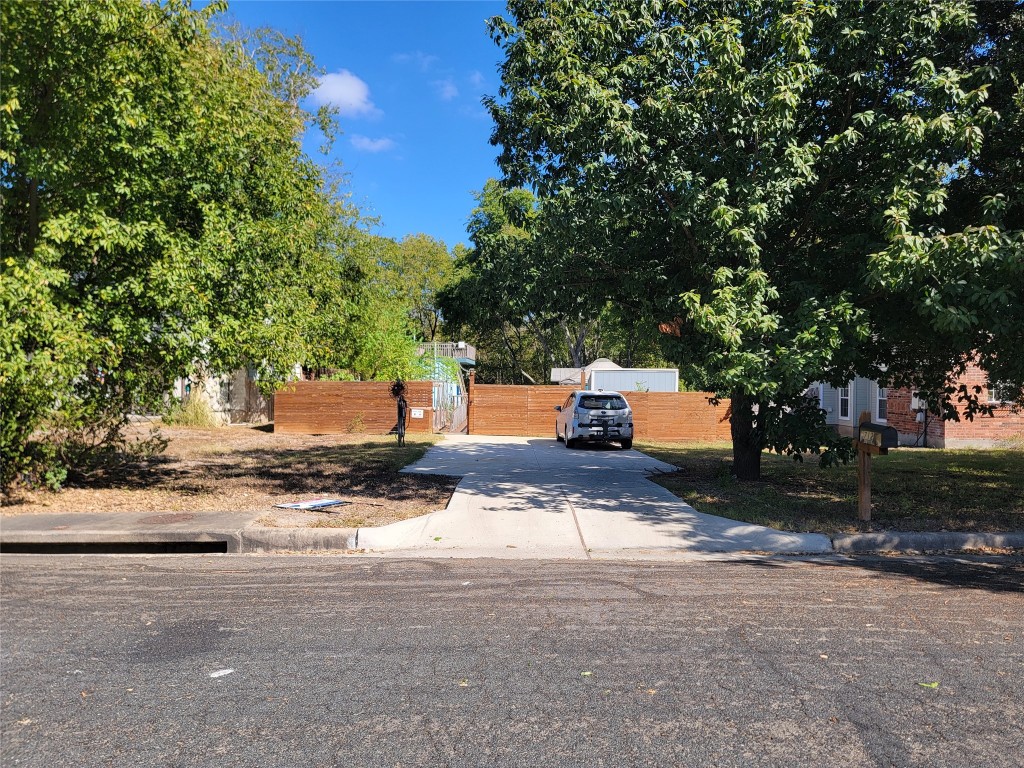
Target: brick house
900, 409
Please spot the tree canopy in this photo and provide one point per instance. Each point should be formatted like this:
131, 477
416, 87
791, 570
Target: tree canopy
773, 179
529, 300
415, 269
159, 215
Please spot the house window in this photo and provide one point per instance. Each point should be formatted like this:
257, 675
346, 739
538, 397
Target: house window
1000, 392
882, 404
844, 402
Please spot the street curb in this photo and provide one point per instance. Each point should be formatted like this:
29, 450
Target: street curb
926, 542
258, 539
230, 539
296, 539
241, 541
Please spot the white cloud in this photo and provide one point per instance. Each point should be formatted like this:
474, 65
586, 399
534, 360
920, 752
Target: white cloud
347, 92
422, 60
476, 79
446, 89
366, 144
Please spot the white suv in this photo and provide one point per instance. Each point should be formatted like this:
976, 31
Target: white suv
599, 416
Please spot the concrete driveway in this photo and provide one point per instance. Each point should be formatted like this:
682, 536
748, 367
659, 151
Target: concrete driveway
534, 498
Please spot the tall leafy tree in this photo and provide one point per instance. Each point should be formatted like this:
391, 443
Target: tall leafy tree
157, 210
416, 268
529, 300
369, 327
769, 179
989, 188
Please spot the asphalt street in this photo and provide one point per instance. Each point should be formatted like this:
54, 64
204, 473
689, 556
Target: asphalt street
322, 661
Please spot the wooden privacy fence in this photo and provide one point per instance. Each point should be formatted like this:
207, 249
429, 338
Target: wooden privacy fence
496, 409
336, 407
339, 407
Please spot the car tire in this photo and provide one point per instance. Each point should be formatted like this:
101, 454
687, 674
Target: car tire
626, 444
558, 436
569, 443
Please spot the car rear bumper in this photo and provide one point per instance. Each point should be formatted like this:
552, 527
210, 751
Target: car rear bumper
602, 434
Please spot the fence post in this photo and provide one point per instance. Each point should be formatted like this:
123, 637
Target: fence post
863, 472
469, 402
583, 378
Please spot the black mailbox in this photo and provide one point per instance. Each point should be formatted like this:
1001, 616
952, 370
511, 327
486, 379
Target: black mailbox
878, 435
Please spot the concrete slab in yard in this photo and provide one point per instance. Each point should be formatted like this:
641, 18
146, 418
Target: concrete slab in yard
487, 518
533, 497
462, 455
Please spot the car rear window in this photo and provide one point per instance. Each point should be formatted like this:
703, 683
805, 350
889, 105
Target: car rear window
605, 403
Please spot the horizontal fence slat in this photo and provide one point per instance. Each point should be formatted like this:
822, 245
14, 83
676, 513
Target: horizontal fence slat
528, 411
341, 407
338, 407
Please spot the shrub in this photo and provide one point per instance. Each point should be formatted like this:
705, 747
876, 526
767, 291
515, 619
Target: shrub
191, 412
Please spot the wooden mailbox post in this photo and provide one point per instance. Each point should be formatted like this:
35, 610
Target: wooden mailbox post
872, 440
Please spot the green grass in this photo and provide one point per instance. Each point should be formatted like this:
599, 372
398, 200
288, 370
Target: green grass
912, 489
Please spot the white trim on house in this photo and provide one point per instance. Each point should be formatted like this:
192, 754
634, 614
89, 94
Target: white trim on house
998, 392
876, 400
849, 402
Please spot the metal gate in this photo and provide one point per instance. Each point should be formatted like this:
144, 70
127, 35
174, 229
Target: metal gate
451, 411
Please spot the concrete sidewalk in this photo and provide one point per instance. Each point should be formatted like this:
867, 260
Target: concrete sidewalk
533, 497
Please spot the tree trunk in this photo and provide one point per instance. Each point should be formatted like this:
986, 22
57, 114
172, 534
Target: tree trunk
538, 333
511, 350
575, 345
746, 447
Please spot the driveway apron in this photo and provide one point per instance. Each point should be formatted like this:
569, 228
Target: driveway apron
534, 498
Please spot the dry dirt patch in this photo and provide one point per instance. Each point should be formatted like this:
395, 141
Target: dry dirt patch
249, 469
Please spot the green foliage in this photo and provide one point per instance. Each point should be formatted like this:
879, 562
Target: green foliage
770, 180
41, 349
529, 303
55, 476
158, 210
372, 310
413, 271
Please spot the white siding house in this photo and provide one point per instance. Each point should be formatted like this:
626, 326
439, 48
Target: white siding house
843, 405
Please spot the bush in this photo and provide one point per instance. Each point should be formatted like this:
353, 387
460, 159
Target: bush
74, 451
191, 412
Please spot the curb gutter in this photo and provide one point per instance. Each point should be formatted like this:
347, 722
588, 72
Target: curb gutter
296, 539
925, 542
256, 540
231, 540
241, 541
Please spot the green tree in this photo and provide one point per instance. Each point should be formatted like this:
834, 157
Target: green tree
363, 326
770, 180
982, 284
417, 268
528, 300
157, 210
489, 296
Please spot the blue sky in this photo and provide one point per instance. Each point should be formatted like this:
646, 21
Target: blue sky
408, 78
